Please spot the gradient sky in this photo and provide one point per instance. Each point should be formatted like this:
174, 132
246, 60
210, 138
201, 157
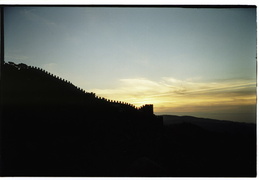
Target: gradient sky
185, 61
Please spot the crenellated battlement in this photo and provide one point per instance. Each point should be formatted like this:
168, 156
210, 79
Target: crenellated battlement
147, 109
23, 66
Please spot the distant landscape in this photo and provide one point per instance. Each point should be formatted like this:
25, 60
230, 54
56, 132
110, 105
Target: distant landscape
50, 127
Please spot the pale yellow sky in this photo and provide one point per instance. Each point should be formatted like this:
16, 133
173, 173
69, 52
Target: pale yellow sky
180, 96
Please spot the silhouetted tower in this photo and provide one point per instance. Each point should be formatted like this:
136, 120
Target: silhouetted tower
147, 109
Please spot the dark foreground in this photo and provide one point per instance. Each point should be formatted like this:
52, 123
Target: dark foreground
51, 128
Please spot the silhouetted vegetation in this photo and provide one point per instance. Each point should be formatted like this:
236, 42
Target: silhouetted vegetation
49, 127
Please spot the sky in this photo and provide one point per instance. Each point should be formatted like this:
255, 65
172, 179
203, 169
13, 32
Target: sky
184, 61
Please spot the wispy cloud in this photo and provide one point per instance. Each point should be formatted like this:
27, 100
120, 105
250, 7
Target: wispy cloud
183, 95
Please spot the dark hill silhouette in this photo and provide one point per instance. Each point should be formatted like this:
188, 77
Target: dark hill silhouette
214, 125
49, 127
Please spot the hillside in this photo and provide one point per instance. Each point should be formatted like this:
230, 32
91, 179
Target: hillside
213, 125
49, 127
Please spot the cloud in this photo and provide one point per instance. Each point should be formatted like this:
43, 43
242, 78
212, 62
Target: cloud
170, 94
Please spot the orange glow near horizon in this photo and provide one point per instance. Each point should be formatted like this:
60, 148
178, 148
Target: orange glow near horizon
171, 95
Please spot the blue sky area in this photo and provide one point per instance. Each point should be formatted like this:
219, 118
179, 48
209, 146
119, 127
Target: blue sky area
185, 61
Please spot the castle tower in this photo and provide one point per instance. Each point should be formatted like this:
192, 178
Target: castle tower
147, 109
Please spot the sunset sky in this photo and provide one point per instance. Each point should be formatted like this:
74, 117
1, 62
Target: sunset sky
185, 61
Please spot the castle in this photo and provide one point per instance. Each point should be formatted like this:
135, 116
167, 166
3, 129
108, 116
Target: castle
51, 125
146, 109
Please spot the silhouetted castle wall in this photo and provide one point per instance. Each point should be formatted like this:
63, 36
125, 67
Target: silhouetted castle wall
146, 109
63, 93
47, 74
42, 110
